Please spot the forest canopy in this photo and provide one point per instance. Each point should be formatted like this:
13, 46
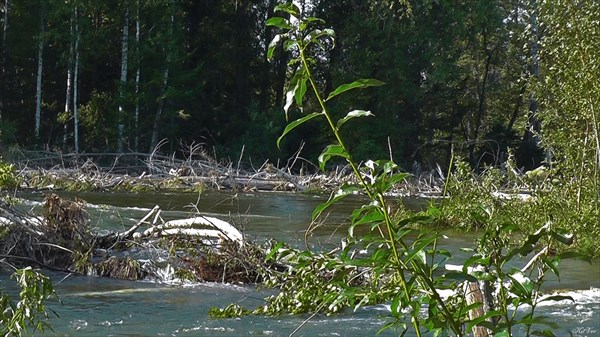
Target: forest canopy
469, 77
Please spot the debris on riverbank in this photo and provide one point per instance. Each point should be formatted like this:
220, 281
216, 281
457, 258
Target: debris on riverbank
196, 249
138, 172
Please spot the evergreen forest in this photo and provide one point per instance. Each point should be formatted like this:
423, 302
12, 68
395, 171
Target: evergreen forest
461, 77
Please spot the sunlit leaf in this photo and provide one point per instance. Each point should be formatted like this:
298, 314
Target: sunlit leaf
552, 264
274, 251
290, 44
315, 35
353, 114
273, 44
358, 84
289, 99
300, 91
543, 333
419, 246
289, 8
329, 152
522, 285
307, 21
509, 227
297, 123
476, 260
279, 22
343, 192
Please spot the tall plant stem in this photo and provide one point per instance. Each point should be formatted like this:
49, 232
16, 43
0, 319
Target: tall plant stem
389, 236
364, 184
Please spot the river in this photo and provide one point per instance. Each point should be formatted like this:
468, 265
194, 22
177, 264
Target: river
94, 306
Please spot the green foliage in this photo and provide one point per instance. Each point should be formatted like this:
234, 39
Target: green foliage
385, 258
8, 178
526, 200
30, 311
522, 287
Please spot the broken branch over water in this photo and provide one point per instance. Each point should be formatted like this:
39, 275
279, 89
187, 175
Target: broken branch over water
200, 248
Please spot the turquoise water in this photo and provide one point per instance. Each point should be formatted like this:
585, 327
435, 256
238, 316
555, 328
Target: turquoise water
104, 307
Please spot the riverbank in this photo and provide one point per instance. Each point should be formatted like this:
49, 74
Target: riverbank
138, 172
465, 199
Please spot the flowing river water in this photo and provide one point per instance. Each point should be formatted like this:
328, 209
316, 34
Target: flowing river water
94, 306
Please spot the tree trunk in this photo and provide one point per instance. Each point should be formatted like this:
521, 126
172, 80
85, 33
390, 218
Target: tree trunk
159, 109
481, 105
266, 82
69, 83
40, 65
123, 80
137, 76
3, 70
75, 86
530, 146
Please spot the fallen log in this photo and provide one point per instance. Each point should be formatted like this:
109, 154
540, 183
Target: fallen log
199, 248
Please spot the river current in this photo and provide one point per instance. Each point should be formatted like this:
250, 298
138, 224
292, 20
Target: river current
92, 306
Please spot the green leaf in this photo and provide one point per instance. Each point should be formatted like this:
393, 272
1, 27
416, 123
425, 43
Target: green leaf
343, 192
307, 21
575, 255
419, 246
289, 98
509, 227
289, 44
481, 319
557, 298
544, 333
522, 285
460, 276
289, 8
562, 237
273, 44
301, 90
542, 320
297, 123
358, 84
331, 151
353, 114
279, 22
476, 260
384, 184
367, 214
273, 251
313, 37
552, 264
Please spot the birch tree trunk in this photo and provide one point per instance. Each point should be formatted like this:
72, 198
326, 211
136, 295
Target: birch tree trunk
75, 87
40, 66
159, 110
137, 76
69, 83
123, 80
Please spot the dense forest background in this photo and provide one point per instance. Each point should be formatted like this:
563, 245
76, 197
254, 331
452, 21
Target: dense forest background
120, 75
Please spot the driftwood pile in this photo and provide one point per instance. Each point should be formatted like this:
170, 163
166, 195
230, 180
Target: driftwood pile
152, 172
197, 249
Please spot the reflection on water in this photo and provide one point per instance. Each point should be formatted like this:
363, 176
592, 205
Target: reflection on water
103, 307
